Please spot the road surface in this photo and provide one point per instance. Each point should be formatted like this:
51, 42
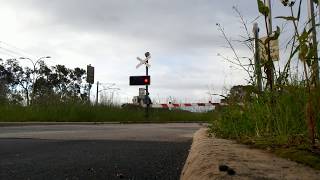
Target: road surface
114, 151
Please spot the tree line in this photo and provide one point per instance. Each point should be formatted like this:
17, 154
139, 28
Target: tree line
42, 84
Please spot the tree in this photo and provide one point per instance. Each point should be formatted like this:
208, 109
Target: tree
14, 74
40, 86
3, 84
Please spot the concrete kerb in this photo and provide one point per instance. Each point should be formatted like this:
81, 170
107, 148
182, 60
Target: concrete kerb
207, 154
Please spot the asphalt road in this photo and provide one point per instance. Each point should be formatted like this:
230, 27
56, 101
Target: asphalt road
115, 151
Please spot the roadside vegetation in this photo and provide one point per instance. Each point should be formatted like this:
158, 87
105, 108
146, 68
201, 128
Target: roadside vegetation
284, 116
279, 126
100, 113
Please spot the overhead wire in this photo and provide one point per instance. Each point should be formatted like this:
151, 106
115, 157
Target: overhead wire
6, 53
18, 50
10, 51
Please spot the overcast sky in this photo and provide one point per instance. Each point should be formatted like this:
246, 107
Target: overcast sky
109, 34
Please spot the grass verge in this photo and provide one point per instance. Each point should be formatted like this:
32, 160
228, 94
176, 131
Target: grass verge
87, 113
275, 123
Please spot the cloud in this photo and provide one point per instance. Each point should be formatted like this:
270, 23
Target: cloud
110, 34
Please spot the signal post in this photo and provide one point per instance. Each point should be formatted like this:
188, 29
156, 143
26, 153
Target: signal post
147, 54
143, 80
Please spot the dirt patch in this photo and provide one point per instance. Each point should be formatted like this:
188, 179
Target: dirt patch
208, 154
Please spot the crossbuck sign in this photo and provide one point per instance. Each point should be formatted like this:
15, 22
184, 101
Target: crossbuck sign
143, 61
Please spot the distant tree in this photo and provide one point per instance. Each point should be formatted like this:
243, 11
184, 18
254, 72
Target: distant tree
77, 77
3, 84
25, 83
44, 85
14, 73
59, 83
241, 93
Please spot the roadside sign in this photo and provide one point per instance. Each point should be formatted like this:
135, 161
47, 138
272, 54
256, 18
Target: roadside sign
90, 74
274, 49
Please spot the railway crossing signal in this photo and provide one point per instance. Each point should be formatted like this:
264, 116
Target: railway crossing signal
143, 61
90, 74
143, 80
139, 80
90, 78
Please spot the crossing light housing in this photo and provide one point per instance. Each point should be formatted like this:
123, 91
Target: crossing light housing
139, 80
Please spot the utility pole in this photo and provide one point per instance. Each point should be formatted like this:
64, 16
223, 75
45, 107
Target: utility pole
315, 64
257, 57
97, 94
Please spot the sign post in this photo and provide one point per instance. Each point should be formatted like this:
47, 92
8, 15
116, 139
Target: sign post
257, 63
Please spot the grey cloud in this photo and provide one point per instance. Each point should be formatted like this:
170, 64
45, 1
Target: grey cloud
181, 35
179, 24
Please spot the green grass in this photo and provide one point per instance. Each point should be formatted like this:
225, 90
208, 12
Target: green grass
303, 156
279, 119
87, 113
275, 122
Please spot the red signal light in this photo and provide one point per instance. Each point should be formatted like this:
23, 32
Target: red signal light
139, 80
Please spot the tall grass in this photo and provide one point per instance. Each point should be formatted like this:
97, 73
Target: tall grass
88, 113
277, 117
274, 121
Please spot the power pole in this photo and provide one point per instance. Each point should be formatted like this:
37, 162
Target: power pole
97, 94
315, 64
257, 57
